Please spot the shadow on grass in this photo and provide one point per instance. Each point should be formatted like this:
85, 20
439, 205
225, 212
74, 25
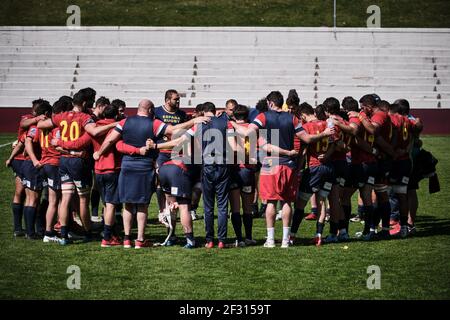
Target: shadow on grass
428, 226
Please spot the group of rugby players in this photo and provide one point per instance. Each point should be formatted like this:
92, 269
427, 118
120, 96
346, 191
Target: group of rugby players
282, 153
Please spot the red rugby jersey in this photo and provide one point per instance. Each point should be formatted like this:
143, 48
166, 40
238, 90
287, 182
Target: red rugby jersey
316, 149
71, 125
359, 155
21, 134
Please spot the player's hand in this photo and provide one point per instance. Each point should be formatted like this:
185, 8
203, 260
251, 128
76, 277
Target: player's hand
54, 142
96, 156
219, 113
150, 144
8, 162
329, 131
143, 151
40, 118
202, 119
293, 153
321, 158
353, 114
37, 164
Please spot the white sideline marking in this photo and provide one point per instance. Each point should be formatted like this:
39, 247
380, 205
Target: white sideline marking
6, 144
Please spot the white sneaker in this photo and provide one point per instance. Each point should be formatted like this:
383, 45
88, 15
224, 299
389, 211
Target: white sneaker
269, 244
194, 215
250, 242
239, 244
48, 239
285, 244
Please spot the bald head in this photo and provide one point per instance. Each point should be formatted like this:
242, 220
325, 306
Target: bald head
145, 106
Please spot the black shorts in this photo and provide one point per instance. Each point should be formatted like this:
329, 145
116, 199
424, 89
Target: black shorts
31, 177
341, 172
362, 174
401, 172
75, 171
384, 168
16, 166
51, 175
243, 179
108, 185
318, 178
175, 181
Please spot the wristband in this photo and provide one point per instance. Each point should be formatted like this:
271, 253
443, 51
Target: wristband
72, 152
156, 145
374, 151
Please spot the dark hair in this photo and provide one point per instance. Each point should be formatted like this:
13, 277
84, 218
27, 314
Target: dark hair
102, 101
240, 112
404, 108
368, 100
169, 94
42, 107
86, 95
306, 108
394, 108
199, 108
331, 105
118, 103
111, 112
320, 112
232, 101
383, 105
261, 105
62, 105
293, 99
89, 96
209, 107
276, 97
37, 102
350, 104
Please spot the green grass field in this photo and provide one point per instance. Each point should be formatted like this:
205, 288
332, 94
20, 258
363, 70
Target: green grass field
263, 13
416, 268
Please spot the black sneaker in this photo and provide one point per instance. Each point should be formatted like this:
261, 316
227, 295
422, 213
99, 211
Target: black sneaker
19, 233
34, 236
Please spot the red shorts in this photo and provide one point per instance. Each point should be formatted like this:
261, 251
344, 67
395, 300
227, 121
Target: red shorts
278, 183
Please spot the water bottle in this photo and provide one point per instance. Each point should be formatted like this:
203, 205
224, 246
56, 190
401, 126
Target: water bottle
330, 125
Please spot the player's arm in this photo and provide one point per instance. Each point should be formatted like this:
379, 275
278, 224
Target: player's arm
45, 124
370, 126
167, 145
30, 151
243, 131
311, 138
81, 143
270, 148
325, 157
18, 149
364, 145
110, 140
125, 148
97, 131
386, 147
26, 123
351, 128
174, 130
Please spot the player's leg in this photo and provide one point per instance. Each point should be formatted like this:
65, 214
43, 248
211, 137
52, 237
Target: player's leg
235, 204
247, 216
141, 216
222, 187
128, 211
17, 206
208, 203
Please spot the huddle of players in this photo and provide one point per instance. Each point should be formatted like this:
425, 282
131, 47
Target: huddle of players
310, 156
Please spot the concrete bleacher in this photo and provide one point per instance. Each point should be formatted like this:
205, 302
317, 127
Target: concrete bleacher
216, 64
